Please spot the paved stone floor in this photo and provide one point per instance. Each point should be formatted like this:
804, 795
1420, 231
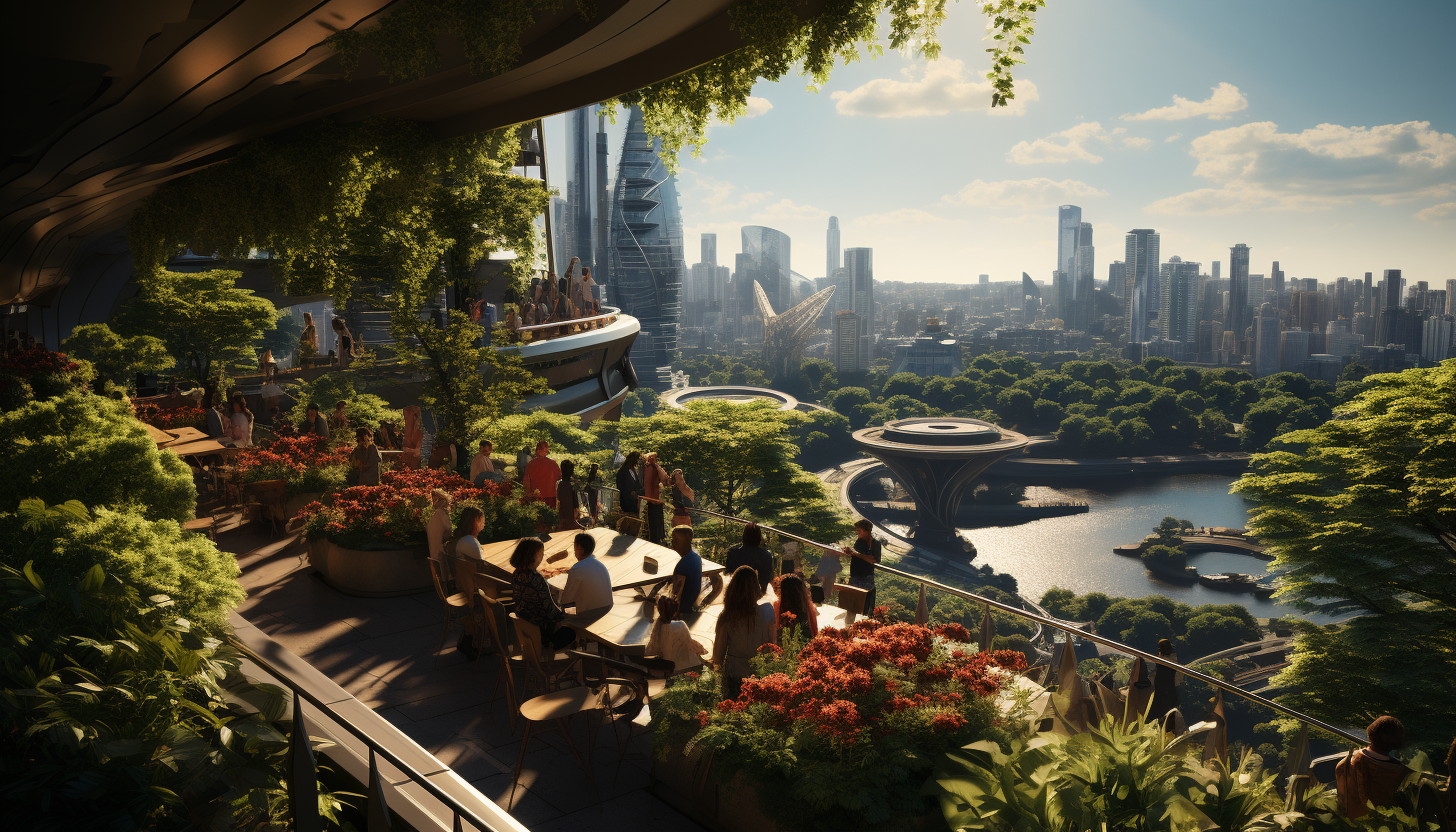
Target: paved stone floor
382, 650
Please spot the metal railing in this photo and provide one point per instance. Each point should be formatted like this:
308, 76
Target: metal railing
303, 794
1064, 626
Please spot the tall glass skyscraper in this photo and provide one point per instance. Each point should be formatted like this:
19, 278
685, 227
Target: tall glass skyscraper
582, 217
1141, 257
1239, 313
859, 265
831, 247
1069, 222
1082, 282
766, 256
645, 247
1178, 309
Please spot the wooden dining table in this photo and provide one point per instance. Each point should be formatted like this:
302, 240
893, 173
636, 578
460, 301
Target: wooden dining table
625, 557
185, 436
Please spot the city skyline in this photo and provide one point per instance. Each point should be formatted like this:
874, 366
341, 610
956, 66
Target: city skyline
1330, 166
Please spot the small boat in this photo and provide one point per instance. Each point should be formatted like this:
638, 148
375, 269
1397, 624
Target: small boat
1230, 582
1264, 589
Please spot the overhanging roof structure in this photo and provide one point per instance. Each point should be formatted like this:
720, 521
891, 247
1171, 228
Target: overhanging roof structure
105, 101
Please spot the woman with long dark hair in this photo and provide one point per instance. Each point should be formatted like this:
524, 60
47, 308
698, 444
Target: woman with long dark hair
671, 639
682, 499
744, 626
533, 597
794, 598
347, 349
567, 501
242, 422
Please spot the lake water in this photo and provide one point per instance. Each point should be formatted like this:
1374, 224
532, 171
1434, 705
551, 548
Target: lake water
1075, 552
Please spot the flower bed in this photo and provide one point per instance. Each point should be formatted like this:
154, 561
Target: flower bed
394, 513
840, 732
309, 464
166, 418
38, 374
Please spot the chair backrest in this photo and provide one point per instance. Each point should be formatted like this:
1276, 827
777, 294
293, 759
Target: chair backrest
464, 574
492, 607
437, 574
851, 599
528, 636
268, 491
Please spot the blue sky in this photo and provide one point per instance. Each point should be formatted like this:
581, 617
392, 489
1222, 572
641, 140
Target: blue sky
1319, 133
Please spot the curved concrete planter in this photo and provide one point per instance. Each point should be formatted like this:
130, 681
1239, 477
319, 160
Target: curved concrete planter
374, 573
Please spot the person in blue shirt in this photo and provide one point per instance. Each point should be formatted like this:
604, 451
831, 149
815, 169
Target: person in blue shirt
687, 576
863, 557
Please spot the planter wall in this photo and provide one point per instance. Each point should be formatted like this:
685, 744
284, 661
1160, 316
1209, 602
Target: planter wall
374, 574
688, 783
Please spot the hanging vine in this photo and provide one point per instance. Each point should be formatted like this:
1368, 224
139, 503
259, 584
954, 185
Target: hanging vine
778, 35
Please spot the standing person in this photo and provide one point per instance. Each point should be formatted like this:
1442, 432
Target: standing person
682, 499
629, 485
542, 474
793, 597
339, 420
1165, 684
863, 557
533, 597
437, 530
1371, 775
215, 421
307, 342
346, 347
413, 439
589, 294
482, 467
567, 501
314, 423
267, 365
271, 393
652, 482
593, 492
750, 552
242, 423
744, 626
672, 640
366, 457
687, 576
588, 584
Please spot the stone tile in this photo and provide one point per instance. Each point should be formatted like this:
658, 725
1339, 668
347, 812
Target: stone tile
630, 812
307, 639
528, 808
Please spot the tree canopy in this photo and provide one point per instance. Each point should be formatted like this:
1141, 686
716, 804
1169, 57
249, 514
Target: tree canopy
116, 358
206, 322
1348, 510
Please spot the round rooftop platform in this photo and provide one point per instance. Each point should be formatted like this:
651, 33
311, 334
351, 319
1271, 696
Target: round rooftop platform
735, 394
939, 435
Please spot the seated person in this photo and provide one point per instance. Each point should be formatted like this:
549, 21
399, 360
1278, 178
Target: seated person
1371, 775
588, 584
672, 640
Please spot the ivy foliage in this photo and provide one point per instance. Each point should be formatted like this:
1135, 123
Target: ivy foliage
1345, 508
90, 448
778, 36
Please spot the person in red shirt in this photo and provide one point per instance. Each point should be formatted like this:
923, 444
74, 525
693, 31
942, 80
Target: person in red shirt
542, 472
652, 482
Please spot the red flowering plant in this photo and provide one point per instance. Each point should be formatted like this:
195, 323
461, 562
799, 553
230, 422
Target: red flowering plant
309, 464
394, 513
840, 732
166, 418
40, 374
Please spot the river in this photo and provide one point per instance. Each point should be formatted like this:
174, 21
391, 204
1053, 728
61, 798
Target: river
1075, 552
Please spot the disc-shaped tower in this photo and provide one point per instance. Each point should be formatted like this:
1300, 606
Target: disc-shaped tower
936, 459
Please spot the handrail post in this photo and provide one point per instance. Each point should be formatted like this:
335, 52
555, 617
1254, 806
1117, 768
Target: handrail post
303, 795
376, 809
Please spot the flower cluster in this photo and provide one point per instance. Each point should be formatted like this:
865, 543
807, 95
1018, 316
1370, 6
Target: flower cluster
396, 511
187, 416
309, 464
38, 374
28, 364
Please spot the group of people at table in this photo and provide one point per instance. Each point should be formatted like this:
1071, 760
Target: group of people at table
745, 623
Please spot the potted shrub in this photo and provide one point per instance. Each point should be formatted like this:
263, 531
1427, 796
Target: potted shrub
310, 466
836, 733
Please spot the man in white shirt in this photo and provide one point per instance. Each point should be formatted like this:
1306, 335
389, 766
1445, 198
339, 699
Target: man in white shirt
481, 466
588, 584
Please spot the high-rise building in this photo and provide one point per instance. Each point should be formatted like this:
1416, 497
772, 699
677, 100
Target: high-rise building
1393, 283
645, 247
1178, 312
1276, 286
859, 265
583, 221
1069, 222
1215, 273
1370, 304
710, 250
766, 251
1209, 333
1082, 281
1266, 341
848, 356
1141, 256
1436, 335
1293, 349
1062, 297
1238, 317
1393, 328
831, 248
1451, 297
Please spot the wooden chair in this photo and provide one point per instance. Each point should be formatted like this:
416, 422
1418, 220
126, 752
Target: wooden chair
555, 707
465, 586
542, 673
625, 692
457, 604
506, 679
267, 497
851, 600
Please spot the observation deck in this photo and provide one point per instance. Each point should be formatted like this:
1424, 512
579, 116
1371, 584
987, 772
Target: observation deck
588, 369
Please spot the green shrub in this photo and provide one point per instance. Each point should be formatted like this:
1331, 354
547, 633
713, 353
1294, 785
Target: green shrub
90, 448
362, 408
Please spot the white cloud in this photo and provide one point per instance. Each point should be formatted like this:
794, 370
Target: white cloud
757, 106
1173, 138
1437, 213
1222, 103
787, 209
718, 195
1257, 167
1071, 145
1022, 193
902, 216
943, 86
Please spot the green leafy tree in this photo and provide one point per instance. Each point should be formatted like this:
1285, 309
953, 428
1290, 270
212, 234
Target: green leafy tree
207, 322
116, 358
90, 448
362, 408
1344, 509
1210, 632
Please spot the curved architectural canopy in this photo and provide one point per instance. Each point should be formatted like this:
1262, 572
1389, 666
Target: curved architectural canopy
105, 101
